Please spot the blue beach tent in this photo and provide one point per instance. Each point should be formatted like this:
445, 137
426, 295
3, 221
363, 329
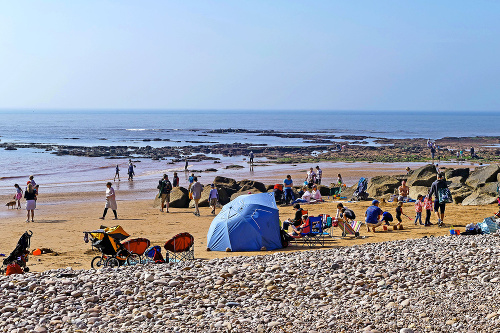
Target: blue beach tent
247, 223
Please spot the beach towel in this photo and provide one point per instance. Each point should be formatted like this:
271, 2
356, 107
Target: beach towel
488, 226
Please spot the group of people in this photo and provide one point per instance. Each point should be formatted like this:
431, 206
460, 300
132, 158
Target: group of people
30, 194
130, 171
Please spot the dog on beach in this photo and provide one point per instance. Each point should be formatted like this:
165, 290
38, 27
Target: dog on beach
11, 204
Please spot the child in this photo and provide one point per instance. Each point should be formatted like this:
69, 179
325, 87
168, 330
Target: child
18, 196
399, 212
428, 205
418, 209
213, 198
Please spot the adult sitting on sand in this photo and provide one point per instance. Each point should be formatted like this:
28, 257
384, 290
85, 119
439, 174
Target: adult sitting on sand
439, 207
196, 190
306, 197
373, 216
403, 191
110, 201
316, 195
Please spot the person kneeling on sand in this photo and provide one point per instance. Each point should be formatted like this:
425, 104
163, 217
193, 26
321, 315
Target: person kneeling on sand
373, 216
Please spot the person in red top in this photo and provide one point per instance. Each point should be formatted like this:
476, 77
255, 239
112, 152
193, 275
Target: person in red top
418, 209
428, 205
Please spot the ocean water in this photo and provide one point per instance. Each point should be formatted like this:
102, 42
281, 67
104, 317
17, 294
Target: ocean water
131, 128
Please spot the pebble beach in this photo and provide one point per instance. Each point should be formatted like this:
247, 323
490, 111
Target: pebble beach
434, 284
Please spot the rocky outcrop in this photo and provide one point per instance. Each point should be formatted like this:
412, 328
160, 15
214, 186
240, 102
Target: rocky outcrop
251, 191
247, 185
460, 193
478, 198
457, 175
380, 185
416, 190
423, 176
179, 197
483, 175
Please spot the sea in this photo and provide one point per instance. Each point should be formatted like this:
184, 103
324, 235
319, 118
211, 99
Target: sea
137, 127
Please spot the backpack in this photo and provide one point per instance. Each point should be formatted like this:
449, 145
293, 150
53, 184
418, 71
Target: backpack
444, 195
155, 254
13, 268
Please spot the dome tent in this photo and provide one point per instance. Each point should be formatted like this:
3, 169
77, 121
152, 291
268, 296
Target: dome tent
247, 223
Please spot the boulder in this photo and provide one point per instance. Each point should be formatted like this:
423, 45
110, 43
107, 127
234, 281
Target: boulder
423, 176
460, 193
251, 191
460, 174
455, 181
269, 188
349, 191
324, 190
489, 188
380, 185
226, 182
483, 175
247, 185
416, 190
477, 199
179, 197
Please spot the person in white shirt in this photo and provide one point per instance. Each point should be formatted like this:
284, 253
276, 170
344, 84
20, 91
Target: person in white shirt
319, 175
311, 177
110, 201
306, 197
316, 195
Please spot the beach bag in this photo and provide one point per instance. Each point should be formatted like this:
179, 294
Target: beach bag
13, 268
444, 195
488, 226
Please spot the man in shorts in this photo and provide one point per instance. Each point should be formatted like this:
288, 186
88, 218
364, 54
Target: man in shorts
403, 192
165, 188
373, 216
213, 198
439, 208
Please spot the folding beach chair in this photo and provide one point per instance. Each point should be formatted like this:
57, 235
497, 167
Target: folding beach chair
351, 228
180, 247
312, 233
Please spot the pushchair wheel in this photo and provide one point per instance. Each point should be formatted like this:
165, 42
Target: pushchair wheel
98, 262
133, 259
26, 269
112, 262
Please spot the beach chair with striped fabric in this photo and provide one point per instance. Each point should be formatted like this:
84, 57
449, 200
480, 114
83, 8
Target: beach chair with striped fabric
349, 228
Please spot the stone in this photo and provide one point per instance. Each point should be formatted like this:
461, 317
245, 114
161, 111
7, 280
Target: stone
423, 176
477, 199
483, 175
416, 190
179, 197
380, 185
149, 277
459, 175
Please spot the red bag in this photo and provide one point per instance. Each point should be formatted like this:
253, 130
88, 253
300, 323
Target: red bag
13, 268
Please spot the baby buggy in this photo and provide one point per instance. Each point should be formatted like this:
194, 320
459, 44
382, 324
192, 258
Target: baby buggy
360, 193
113, 253
20, 253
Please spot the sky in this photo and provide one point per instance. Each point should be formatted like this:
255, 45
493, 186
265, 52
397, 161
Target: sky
262, 55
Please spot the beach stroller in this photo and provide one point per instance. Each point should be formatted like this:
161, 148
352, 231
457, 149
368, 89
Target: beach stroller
113, 253
20, 254
360, 193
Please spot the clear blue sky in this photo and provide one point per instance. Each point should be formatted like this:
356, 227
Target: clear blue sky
331, 55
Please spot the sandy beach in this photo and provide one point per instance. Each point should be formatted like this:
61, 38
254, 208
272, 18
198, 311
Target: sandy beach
61, 219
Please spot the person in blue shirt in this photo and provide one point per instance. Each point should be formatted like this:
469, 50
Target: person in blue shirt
288, 185
373, 216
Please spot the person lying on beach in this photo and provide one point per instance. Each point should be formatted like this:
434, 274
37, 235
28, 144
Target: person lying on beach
373, 216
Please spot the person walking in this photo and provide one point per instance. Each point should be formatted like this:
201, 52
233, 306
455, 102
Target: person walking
165, 188
110, 201
251, 157
191, 181
18, 196
437, 187
213, 198
30, 196
131, 172
196, 190
117, 173
186, 165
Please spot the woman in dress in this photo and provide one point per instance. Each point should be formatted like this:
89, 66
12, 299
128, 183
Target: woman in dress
110, 201
18, 196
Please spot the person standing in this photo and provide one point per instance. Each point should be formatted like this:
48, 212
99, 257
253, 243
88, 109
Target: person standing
213, 198
310, 177
418, 209
439, 206
175, 181
18, 196
288, 184
186, 165
110, 201
428, 208
191, 181
339, 179
433, 153
251, 157
30, 196
165, 188
472, 153
117, 173
131, 172
319, 175
196, 190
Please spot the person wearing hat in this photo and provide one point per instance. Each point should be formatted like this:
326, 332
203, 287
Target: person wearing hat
373, 216
213, 197
165, 187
